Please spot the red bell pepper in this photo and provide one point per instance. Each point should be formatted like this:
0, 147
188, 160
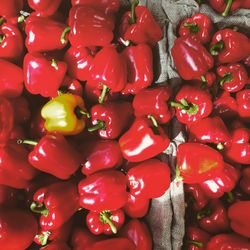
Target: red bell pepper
233, 77
213, 218
11, 79
229, 46
95, 191
227, 242
10, 8
44, 7
54, 155
139, 26
39, 69
37, 129
37, 28
55, 245
140, 69
51, 203
192, 104
243, 103
245, 181
238, 214
84, 19
100, 155
71, 86
21, 108
191, 59
9, 196
107, 118
199, 26
143, 140
79, 60
198, 162
147, 181
137, 232
105, 222
19, 225
153, 101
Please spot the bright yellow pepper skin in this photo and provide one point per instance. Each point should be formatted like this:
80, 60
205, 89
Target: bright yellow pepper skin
65, 114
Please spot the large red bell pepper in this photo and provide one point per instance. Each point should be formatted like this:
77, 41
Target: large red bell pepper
44, 7
10, 8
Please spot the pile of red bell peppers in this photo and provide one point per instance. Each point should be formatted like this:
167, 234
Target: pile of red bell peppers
213, 103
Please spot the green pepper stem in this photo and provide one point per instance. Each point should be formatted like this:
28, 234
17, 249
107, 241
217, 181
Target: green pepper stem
205, 212
39, 208
220, 146
155, 123
176, 105
2, 20
190, 108
2, 38
65, 32
196, 243
54, 64
178, 174
105, 90
99, 125
228, 8
105, 217
228, 77
133, 16
80, 112
28, 142
43, 238
203, 82
214, 49
230, 197
193, 27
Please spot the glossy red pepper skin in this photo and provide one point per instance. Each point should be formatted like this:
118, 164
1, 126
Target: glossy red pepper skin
44, 7
105, 222
108, 120
233, 77
238, 214
144, 29
153, 101
143, 141
221, 6
147, 181
50, 202
140, 69
100, 155
39, 69
55, 245
10, 8
19, 224
245, 181
229, 46
79, 60
192, 104
191, 58
198, 162
227, 242
95, 191
109, 69
54, 155
11, 79
243, 103
71, 86
199, 26
84, 20
37, 28
138, 233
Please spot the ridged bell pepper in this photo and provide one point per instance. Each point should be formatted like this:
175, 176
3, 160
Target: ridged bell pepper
105, 222
199, 26
107, 118
139, 26
245, 180
103, 191
191, 58
233, 77
147, 181
39, 68
153, 101
11, 8
140, 69
65, 114
143, 140
229, 46
243, 103
197, 162
51, 203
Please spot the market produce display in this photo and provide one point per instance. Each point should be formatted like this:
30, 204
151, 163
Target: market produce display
84, 126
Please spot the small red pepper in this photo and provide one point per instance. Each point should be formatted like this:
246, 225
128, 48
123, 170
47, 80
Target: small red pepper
199, 26
111, 118
153, 101
239, 216
105, 222
51, 203
229, 46
191, 58
147, 181
105, 190
139, 26
19, 224
233, 77
55, 245
243, 103
192, 104
245, 181
39, 69
100, 155
198, 162
11, 8
143, 140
